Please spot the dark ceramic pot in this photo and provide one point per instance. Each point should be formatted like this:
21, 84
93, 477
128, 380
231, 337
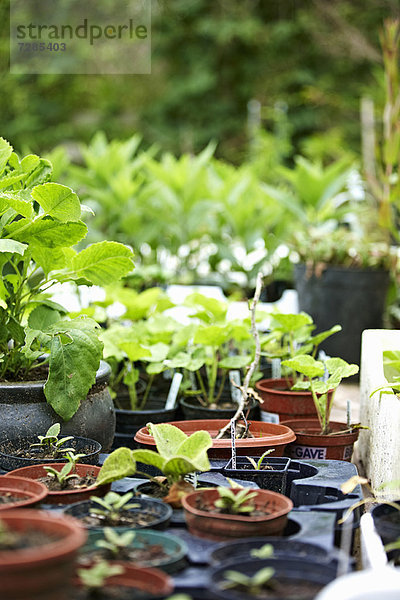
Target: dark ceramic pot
25, 412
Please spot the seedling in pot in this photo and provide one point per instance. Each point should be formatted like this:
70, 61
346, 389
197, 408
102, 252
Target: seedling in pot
177, 455
116, 544
112, 505
312, 370
62, 477
73, 458
266, 551
253, 585
235, 504
94, 578
49, 443
258, 466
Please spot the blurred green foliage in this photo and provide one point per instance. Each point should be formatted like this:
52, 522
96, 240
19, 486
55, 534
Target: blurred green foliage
209, 58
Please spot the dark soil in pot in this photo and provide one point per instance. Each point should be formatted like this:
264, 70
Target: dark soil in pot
18, 452
147, 513
272, 474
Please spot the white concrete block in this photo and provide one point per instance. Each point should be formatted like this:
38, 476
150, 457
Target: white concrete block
379, 447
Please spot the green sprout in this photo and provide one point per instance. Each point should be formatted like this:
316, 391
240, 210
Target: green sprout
235, 503
93, 579
50, 444
112, 505
265, 551
114, 542
257, 465
63, 476
251, 585
73, 458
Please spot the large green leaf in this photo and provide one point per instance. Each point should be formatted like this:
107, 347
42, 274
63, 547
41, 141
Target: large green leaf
290, 322
15, 201
118, 465
103, 262
186, 361
167, 437
234, 362
149, 457
134, 350
50, 233
75, 354
57, 201
305, 364
50, 259
320, 337
211, 335
42, 317
12, 246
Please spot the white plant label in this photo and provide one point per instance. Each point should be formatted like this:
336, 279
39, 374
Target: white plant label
234, 378
173, 391
315, 453
268, 417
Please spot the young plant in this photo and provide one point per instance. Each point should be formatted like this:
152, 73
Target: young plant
232, 503
112, 505
73, 458
313, 370
94, 579
291, 335
253, 585
266, 551
115, 543
62, 476
40, 222
50, 444
177, 455
258, 465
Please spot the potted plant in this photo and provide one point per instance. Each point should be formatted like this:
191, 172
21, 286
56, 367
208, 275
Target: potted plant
177, 456
32, 570
18, 492
289, 335
224, 513
269, 473
22, 452
40, 224
213, 345
321, 438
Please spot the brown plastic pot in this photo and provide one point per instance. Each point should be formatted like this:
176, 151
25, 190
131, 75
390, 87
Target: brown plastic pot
280, 403
222, 527
152, 581
68, 496
311, 444
266, 435
27, 491
45, 572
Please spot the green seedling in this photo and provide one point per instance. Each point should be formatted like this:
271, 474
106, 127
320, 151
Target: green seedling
266, 551
63, 476
313, 370
116, 543
258, 465
251, 585
50, 444
95, 578
235, 503
73, 458
112, 505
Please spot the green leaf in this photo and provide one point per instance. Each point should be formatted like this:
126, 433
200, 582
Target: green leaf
305, 364
320, 337
42, 317
47, 232
118, 465
103, 262
167, 437
15, 201
339, 368
185, 361
134, 350
158, 352
234, 362
149, 457
57, 201
13, 247
290, 322
72, 365
211, 335
49, 259
5, 153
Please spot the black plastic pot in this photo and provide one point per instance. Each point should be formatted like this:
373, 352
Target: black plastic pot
292, 569
354, 298
281, 547
192, 410
9, 461
272, 478
160, 512
24, 411
387, 523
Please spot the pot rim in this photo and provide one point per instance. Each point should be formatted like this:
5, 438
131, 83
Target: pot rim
337, 440
274, 434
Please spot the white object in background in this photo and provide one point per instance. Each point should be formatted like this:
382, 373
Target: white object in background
178, 293
173, 391
288, 303
66, 295
373, 584
372, 551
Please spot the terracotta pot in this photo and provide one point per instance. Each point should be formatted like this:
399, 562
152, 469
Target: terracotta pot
280, 403
153, 581
221, 527
40, 573
28, 491
67, 496
311, 444
266, 435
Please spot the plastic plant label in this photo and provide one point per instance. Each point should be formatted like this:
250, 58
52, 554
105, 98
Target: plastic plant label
268, 417
348, 452
311, 452
234, 378
173, 391
276, 368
